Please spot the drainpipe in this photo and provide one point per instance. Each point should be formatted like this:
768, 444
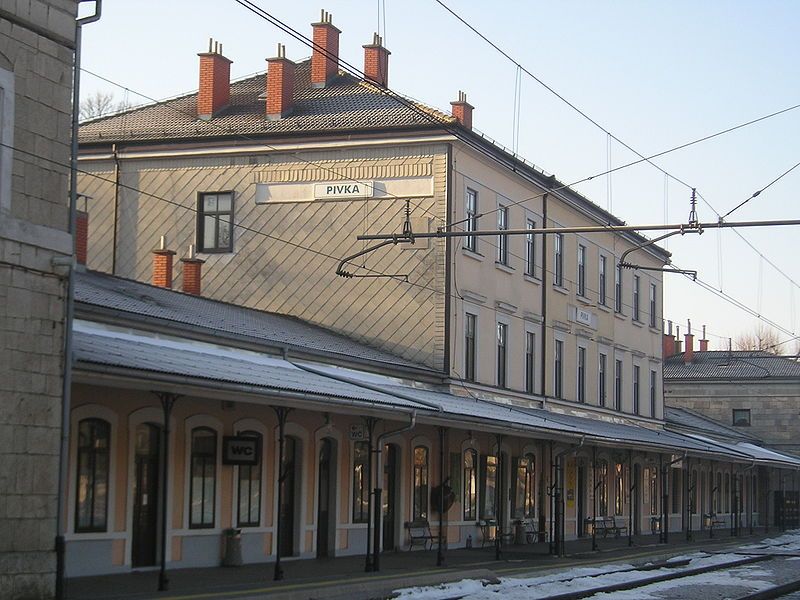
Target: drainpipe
114, 242
559, 483
66, 392
630, 497
376, 564
544, 304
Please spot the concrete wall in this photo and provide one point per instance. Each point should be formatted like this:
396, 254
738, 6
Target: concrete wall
35, 77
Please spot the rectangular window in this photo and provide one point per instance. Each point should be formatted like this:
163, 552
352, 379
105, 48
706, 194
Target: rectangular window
202, 492
470, 484
502, 354
91, 505
653, 483
502, 239
558, 270
636, 389
249, 490
524, 488
653, 376
530, 249
530, 364
581, 374
471, 219
675, 497
601, 380
602, 488
602, 286
618, 289
420, 508
617, 385
559, 369
215, 222
469, 346
635, 297
581, 270
652, 305
360, 482
741, 417
489, 498
619, 496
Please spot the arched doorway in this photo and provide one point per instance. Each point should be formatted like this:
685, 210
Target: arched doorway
145, 495
326, 503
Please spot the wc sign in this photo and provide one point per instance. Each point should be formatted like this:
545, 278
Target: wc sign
240, 450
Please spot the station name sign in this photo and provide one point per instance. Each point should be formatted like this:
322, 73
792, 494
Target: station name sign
343, 189
240, 450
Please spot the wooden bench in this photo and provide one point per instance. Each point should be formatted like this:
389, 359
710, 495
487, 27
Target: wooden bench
419, 532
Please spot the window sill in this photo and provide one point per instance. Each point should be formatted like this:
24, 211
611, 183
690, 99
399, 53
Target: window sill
560, 289
584, 300
655, 330
603, 307
504, 267
472, 254
637, 323
620, 315
531, 279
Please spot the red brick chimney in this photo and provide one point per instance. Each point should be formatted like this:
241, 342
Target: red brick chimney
215, 81
280, 85
704, 341
688, 353
81, 236
162, 265
462, 110
376, 62
325, 56
192, 272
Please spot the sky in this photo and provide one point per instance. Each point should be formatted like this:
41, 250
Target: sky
653, 74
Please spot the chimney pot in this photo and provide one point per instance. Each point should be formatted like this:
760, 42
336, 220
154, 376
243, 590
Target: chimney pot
81, 236
192, 273
214, 92
162, 265
325, 54
280, 85
376, 62
462, 110
688, 353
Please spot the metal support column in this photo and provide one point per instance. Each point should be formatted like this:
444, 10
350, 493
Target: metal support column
167, 402
440, 552
282, 412
595, 487
632, 489
689, 491
370, 423
500, 497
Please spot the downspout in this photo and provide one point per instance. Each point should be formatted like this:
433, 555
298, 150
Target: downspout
116, 209
376, 565
544, 303
69, 312
557, 495
448, 267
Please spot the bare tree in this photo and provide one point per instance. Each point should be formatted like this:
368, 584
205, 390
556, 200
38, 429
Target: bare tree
761, 338
100, 104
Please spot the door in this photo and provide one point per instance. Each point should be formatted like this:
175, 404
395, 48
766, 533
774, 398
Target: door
326, 495
286, 511
581, 499
389, 499
145, 495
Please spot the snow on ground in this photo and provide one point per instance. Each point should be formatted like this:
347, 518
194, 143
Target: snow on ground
582, 578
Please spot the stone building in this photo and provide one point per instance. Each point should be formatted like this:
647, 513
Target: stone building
36, 54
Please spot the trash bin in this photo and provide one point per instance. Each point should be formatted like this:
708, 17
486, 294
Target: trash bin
519, 532
233, 548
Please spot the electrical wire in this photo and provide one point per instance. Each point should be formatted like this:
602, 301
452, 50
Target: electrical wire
758, 192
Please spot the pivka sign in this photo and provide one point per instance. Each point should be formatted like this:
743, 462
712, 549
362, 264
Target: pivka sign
343, 189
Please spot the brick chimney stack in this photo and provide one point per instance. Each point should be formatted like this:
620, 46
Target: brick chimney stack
81, 236
704, 341
162, 265
688, 353
192, 272
280, 85
214, 92
325, 55
462, 110
667, 342
376, 62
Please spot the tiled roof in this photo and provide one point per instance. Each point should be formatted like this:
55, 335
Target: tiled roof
736, 365
102, 292
688, 419
345, 104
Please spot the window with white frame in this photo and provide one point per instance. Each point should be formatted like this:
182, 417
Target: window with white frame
6, 137
558, 270
558, 378
249, 489
470, 321
619, 484
635, 297
601, 288
360, 482
530, 249
502, 355
581, 270
601, 379
215, 222
420, 505
202, 489
617, 385
91, 506
636, 382
530, 364
525, 488
618, 289
581, 374
502, 239
471, 219
652, 305
470, 502
489, 487
653, 378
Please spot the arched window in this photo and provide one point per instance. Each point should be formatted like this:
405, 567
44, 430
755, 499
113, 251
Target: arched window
489, 487
420, 483
727, 497
619, 480
693, 491
653, 484
470, 502
202, 489
91, 504
602, 488
360, 482
524, 486
718, 494
249, 514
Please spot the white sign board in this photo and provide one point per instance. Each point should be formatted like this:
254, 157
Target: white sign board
583, 316
343, 189
358, 433
238, 450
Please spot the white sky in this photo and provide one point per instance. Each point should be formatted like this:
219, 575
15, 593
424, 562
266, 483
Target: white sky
655, 74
